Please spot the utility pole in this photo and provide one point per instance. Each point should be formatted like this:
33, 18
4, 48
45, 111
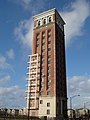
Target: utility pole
71, 104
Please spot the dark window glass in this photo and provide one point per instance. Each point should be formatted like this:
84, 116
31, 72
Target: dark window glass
48, 112
43, 50
49, 19
48, 104
39, 23
49, 56
48, 61
49, 80
49, 67
42, 67
42, 85
48, 93
44, 21
49, 49
41, 93
49, 42
37, 45
41, 101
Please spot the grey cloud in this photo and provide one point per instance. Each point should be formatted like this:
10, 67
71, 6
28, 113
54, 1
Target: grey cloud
24, 32
11, 97
33, 6
79, 84
75, 17
5, 79
10, 54
3, 63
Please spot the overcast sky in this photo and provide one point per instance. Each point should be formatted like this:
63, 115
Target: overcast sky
16, 25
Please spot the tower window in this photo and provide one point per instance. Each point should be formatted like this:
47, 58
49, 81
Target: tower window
42, 67
42, 79
38, 23
49, 86
41, 101
37, 45
42, 85
44, 21
49, 31
43, 44
43, 41
48, 93
43, 34
48, 104
49, 80
38, 35
43, 60
49, 49
49, 67
43, 56
43, 50
49, 42
49, 19
49, 38
49, 56
41, 93
42, 73
48, 61
48, 112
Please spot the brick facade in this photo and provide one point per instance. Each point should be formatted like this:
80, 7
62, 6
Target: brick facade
48, 43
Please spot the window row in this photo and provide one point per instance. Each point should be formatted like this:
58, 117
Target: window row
43, 42
48, 104
42, 73
48, 86
43, 34
48, 93
44, 21
49, 67
49, 49
49, 80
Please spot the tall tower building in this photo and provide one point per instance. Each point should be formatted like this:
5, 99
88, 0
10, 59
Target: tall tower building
46, 89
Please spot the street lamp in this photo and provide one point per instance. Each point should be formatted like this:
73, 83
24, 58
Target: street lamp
85, 104
71, 102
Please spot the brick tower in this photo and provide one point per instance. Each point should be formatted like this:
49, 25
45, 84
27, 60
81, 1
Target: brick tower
47, 90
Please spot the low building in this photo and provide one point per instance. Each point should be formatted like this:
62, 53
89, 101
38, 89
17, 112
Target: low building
25, 111
20, 112
82, 112
3, 112
9, 112
71, 113
15, 112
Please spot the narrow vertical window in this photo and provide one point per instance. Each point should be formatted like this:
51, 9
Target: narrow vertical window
49, 19
38, 23
48, 104
44, 21
48, 111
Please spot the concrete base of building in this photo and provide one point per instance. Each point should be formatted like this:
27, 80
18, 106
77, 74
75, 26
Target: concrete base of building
51, 118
